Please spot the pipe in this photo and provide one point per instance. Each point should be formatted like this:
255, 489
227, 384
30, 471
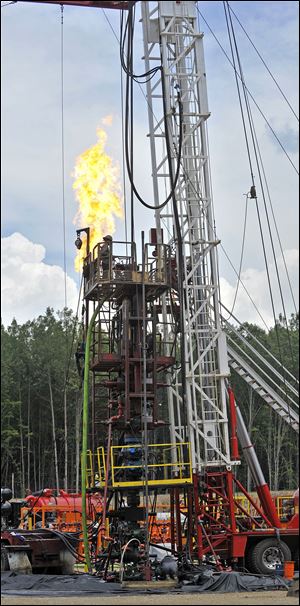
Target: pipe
104, 512
102, 527
85, 413
233, 426
119, 414
229, 481
260, 483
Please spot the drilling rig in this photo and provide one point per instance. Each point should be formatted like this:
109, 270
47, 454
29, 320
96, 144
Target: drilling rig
155, 346
158, 346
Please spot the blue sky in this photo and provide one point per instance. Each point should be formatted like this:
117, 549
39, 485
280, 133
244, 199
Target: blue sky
31, 139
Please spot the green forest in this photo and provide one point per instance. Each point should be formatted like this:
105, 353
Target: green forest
41, 401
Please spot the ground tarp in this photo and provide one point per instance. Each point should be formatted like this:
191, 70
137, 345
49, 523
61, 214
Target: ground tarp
80, 584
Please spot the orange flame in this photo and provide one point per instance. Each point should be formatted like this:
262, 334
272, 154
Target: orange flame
98, 192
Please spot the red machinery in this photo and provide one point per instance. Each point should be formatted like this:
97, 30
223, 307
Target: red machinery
66, 499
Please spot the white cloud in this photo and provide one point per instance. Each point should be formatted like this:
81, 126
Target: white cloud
256, 283
29, 285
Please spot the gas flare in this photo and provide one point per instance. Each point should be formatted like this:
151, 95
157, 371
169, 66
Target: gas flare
98, 192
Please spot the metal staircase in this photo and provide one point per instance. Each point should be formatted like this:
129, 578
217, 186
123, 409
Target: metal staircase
266, 377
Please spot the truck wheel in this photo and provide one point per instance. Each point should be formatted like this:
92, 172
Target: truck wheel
264, 556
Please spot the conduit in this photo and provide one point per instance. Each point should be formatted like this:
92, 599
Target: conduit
85, 413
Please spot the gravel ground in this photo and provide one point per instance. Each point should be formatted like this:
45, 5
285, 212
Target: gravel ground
274, 598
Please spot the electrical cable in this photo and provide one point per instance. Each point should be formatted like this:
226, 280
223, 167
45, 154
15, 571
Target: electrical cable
187, 177
122, 44
247, 146
139, 84
222, 247
255, 145
8, 4
73, 336
274, 257
123, 160
130, 55
67, 368
239, 97
226, 255
32, 506
129, 27
284, 318
151, 207
263, 61
64, 218
230, 262
63, 150
276, 228
67, 542
253, 194
110, 25
249, 93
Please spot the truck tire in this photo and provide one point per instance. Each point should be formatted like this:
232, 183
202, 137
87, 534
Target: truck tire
263, 557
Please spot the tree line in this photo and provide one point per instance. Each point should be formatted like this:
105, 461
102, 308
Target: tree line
41, 402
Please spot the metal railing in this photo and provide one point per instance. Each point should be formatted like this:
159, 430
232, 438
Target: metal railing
264, 373
168, 464
95, 468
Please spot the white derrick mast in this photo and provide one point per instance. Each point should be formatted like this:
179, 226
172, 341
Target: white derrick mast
171, 37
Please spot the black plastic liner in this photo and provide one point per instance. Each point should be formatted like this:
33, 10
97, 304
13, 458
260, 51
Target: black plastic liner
83, 584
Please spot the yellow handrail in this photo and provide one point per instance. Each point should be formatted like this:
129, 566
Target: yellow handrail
167, 468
